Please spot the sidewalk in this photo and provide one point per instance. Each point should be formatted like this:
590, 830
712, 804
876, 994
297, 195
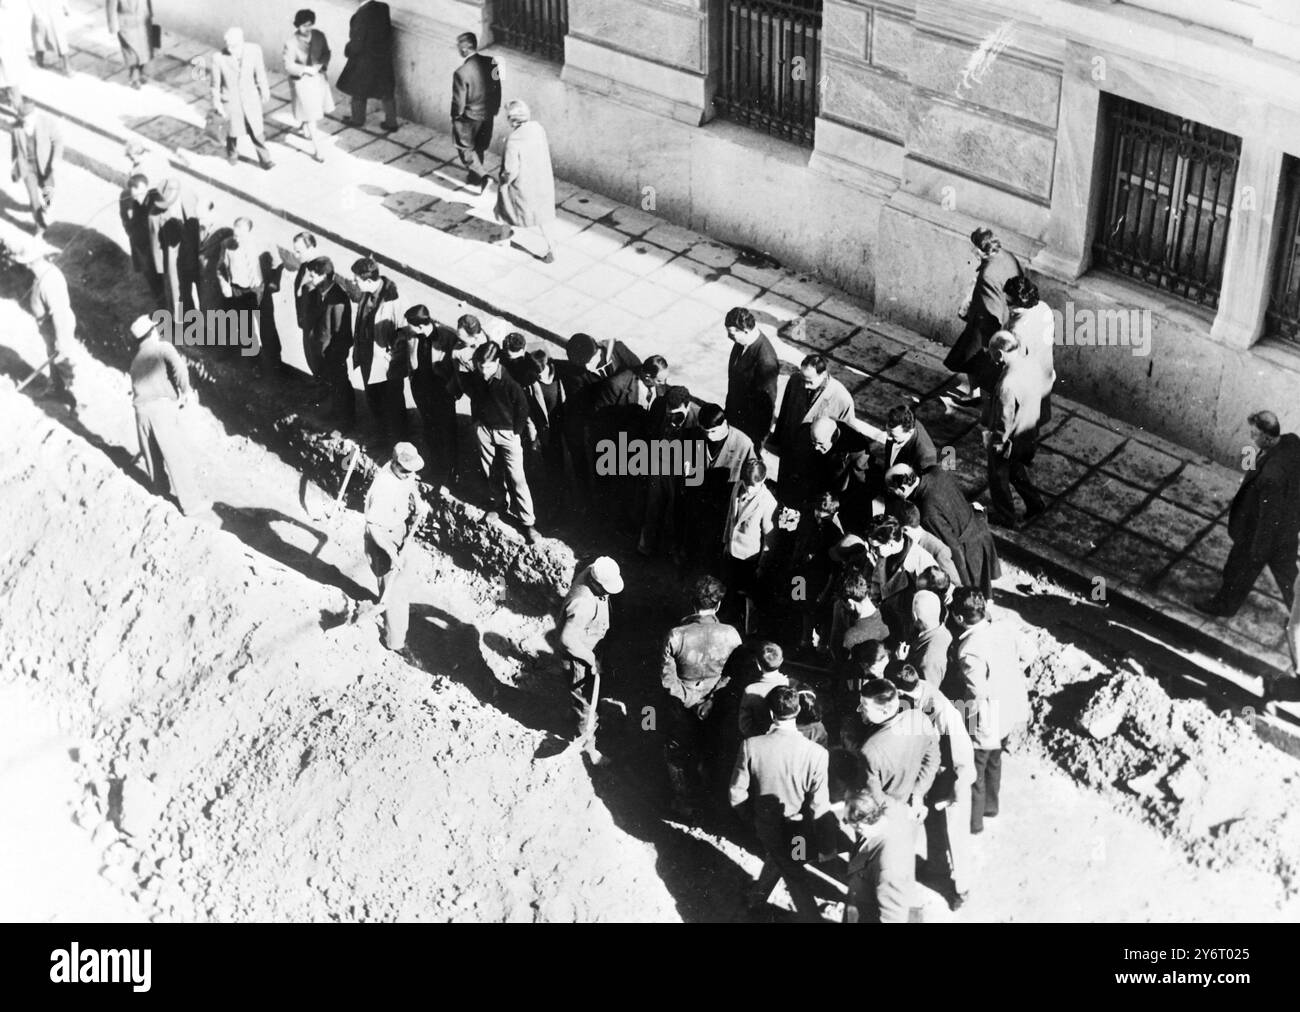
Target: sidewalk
1143, 515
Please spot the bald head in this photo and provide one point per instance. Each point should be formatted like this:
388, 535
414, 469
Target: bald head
926, 610
823, 434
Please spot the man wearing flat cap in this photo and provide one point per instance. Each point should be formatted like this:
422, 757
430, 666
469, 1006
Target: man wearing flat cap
394, 511
583, 623
48, 301
160, 386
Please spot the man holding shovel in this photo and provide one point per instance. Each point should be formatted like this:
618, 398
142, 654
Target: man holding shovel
583, 623
394, 509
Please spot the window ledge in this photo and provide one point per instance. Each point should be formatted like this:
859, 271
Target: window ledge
1278, 351
1134, 295
762, 143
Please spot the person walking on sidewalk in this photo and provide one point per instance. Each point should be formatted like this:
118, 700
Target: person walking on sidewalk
780, 782
985, 312
239, 91
1264, 521
306, 58
369, 71
48, 302
132, 22
160, 387
37, 146
475, 102
50, 33
527, 196
500, 412
394, 511
581, 629
1011, 416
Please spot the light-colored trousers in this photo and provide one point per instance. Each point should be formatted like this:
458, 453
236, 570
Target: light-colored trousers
167, 452
501, 455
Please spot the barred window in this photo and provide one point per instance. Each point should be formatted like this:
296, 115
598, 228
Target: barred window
1170, 185
771, 56
532, 26
1283, 317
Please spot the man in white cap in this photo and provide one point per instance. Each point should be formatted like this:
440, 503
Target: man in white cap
48, 301
394, 511
160, 385
583, 623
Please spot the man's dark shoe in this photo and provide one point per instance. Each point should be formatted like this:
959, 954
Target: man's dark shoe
268, 165
1033, 514
1002, 520
1211, 606
389, 128
232, 158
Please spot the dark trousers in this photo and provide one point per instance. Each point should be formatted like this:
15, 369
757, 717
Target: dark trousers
472, 138
779, 845
386, 402
1010, 472
256, 136
984, 791
1242, 569
741, 579
359, 110
584, 693
36, 195
441, 434
343, 404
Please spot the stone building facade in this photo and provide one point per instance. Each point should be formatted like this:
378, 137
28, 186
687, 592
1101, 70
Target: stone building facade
934, 117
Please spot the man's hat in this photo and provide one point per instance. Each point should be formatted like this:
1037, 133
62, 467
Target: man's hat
605, 571
142, 327
407, 457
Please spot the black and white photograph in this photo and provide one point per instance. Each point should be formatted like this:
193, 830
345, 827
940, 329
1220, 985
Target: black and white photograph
651, 461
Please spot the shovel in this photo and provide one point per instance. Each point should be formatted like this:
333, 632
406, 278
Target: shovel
328, 520
36, 372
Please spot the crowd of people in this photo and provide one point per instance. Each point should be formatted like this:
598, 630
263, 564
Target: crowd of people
840, 678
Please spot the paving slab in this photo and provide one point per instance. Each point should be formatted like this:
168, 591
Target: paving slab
1142, 465
1131, 558
1108, 498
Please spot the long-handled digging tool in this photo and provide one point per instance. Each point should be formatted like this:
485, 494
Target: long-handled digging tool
328, 519
36, 372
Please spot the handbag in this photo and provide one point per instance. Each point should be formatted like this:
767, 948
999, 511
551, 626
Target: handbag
155, 37
216, 126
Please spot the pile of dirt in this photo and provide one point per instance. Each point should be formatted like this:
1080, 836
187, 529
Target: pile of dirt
1205, 779
240, 764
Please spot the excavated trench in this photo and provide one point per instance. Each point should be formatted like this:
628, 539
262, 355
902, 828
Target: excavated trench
242, 755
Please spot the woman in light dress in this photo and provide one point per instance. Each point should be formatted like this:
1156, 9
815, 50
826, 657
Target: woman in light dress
306, 58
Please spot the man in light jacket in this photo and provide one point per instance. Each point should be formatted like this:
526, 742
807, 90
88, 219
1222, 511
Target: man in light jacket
693, 672
239, 91
37, 147
583, 623
987, 679
1011, 423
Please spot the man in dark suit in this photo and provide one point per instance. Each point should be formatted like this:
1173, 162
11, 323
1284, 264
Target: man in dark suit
328, 325
947, 515
475, 102
987, 311
842, 467
37, 148
588, 363
752, 373
1264, 522
621, 405
369, 71
907, 441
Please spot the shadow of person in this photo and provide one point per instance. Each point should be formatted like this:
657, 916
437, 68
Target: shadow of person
254, 528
